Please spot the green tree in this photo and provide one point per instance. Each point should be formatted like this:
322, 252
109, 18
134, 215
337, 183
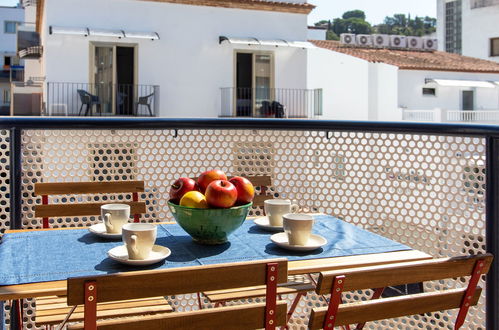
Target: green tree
353, 21
354, 14
330, 35
406, 25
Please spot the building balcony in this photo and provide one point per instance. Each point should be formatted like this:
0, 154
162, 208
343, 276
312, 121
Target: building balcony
452, 116
83, 99
432, 187
33, 52
271, 102
12, 74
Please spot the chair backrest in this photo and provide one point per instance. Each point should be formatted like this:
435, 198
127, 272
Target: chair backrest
338, 281
144, 100
142, 284
85, 97
262, 181
70, 209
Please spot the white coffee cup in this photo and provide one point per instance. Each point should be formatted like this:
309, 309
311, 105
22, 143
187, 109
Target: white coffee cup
139, 239
298, 227
115, 216
275, 208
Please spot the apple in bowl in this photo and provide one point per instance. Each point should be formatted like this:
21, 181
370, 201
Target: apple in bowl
221, 194
208, 177
245, 190
180, 187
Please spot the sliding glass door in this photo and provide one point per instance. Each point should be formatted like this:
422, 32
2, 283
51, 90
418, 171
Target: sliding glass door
254, 83
113, 72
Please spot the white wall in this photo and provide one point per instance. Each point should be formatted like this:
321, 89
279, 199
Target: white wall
383, 92
479, 25
316, 34
344, 80
187, 63
8, 41
411, 96
441, 24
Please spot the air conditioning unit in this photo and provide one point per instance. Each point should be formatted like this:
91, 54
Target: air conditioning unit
430, 44
415, 42
381, 40
364, 40
398, 41
348, 39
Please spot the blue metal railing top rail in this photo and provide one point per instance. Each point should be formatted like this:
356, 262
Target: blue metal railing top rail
248, 123
490, 132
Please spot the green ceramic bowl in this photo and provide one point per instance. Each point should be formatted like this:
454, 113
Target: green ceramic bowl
209, 226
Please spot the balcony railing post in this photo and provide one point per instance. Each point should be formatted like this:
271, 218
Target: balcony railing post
15, 178
492, 231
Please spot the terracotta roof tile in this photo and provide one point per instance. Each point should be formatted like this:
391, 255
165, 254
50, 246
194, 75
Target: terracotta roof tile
414, 60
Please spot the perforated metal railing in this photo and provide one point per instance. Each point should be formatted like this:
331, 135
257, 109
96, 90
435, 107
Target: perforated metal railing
422, 185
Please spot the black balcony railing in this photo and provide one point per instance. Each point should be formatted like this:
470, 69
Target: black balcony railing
265, 102
11, 74
83, 99
433, 187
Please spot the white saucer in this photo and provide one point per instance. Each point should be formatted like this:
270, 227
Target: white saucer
120, 254
100, 230
263, 222
314, 242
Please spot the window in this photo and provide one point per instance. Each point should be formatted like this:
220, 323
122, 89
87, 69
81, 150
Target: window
429, 91
7, 61
10, 27
6, 96
453, 26
494, 47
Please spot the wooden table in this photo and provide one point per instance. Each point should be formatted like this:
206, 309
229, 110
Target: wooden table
43, 289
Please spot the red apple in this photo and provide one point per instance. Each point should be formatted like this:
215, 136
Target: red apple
208, 177
221, 193
180, 187
245, 189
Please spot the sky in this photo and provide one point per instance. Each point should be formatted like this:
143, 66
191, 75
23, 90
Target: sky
376, 10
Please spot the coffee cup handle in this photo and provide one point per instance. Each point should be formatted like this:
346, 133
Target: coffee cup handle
295, 208
107, 218
133, 243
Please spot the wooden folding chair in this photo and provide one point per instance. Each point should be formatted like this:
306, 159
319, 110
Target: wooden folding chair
71, 209
89, 291
336, 282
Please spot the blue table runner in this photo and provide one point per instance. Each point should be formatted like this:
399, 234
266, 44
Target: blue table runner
56, 255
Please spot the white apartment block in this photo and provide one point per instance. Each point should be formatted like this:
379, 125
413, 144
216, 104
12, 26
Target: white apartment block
10, 19
469, 27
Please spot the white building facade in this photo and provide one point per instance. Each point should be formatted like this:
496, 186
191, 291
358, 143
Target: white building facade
389, 85
190, 60
10, 19
469, 27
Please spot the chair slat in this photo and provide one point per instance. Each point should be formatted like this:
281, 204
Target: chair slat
260, 180
402, 273
388, 308
65, 188
260, 292
123, 312
63, 308
249, 316
259, 200
82, 209
166, 282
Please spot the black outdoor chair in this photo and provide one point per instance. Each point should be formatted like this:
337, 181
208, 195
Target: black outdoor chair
145, 101
89, 101
274, 109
